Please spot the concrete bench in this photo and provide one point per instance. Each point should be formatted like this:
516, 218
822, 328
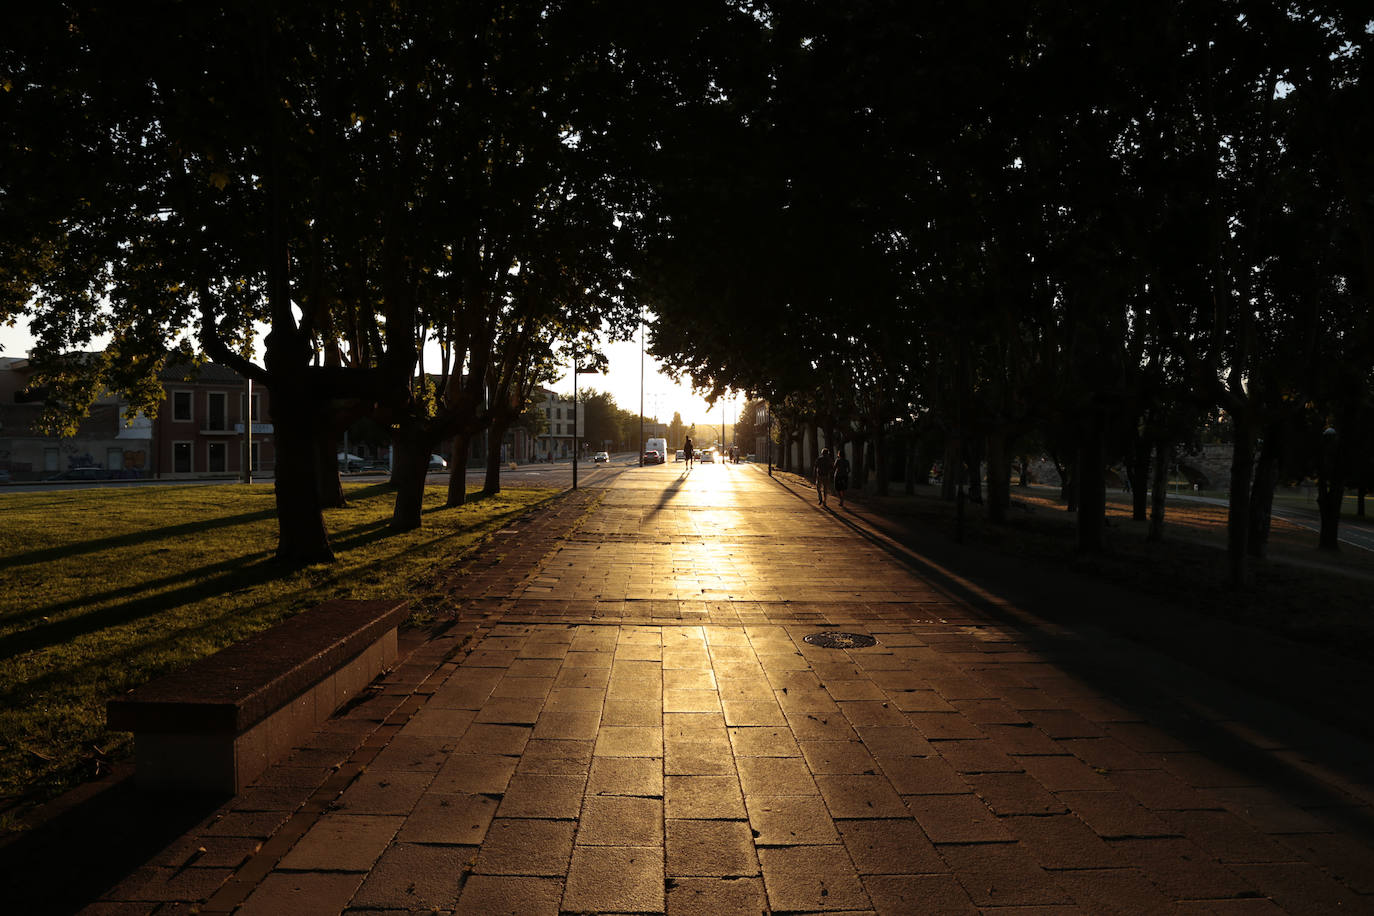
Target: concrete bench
216, 724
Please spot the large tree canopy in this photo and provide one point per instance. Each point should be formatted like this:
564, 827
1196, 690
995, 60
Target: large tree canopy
360, 178
957, 226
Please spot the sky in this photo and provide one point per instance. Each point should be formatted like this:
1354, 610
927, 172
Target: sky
662, 395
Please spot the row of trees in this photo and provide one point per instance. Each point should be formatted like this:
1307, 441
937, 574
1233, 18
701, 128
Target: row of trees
366, 182
1064, 226
1079, 225
607, 421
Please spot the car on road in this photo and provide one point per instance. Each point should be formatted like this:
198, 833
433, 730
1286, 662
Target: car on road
678, 456
651, 456
437, 463
601, 458
4, 475
708, 456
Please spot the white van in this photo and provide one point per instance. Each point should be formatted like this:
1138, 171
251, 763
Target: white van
659, 445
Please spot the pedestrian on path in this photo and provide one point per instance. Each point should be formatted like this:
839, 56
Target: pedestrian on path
687, 451
841, 476
825, 469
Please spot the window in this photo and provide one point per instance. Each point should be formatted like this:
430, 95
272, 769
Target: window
50, 459
216, 410
256, 409
257, 463
181, 406
181, 458
218, 458
114, 459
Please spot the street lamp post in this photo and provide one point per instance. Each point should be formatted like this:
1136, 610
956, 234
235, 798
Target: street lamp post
768, 435
575, 442
641, 386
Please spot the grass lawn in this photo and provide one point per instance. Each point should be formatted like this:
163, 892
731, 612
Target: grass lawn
1315, 597
102, 589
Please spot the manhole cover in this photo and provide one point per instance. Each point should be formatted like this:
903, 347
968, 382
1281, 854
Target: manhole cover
840, 640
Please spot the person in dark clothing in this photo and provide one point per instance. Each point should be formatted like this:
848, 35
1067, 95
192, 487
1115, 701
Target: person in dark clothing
841, 476
825, 469
687, 450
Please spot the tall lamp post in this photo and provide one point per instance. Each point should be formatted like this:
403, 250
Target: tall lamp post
768, 434
641, 386
575, 439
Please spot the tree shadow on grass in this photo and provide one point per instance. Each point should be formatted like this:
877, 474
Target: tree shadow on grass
67, 551
237, 573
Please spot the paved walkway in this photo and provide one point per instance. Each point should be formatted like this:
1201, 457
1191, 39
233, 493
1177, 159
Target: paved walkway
625, 719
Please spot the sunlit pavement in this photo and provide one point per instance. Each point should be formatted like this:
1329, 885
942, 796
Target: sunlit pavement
626, 719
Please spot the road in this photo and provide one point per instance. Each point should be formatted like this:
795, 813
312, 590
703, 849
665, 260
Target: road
1362, 538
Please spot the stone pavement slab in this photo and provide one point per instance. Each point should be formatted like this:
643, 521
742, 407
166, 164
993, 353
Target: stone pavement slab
625, 717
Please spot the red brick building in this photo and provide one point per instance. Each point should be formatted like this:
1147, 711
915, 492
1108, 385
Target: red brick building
201, 430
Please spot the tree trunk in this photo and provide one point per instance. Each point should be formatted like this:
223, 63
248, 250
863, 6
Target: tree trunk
1159, 490
1359, 502
813, 438
912, 462
458, 472
973, 456
952, 467
1238, 513
880, 471
300, 522
1330, 492
1138, 477
1068, 486
1024, 479
496, 434
1091, 485
328, 482
858, 473
410, 463
1330, 495
999, 477
1262, 491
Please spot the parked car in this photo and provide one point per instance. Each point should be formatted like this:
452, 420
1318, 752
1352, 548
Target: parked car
437, 463
350, 463
601, 458
651, 456
4, 475
85, 473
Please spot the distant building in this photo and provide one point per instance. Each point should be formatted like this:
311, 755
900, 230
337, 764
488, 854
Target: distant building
199, 429
557, 439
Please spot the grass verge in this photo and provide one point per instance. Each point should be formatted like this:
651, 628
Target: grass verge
1298, 592
103, 589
